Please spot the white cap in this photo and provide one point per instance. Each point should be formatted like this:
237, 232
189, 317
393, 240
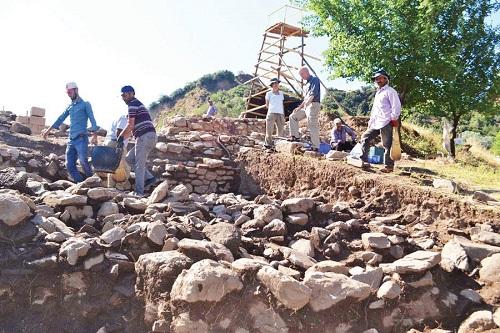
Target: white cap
71, 85
337, 121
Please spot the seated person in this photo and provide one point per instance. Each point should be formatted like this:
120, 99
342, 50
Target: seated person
338, 139
212, 109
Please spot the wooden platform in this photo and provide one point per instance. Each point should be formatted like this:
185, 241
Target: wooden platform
284, 29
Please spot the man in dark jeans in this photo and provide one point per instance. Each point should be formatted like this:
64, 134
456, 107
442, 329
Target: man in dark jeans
384, 116
338, 139
79, 112
140, 124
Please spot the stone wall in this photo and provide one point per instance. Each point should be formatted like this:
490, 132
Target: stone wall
229, 126
196, 152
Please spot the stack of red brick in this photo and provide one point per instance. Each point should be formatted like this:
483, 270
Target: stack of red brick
35, 121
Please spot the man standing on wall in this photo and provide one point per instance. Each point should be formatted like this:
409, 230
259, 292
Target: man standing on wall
384, 116
79, 112
309, 108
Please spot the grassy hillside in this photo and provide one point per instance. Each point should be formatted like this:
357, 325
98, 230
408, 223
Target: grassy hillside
192, 100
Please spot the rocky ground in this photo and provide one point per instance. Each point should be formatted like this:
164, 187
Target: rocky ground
234, 239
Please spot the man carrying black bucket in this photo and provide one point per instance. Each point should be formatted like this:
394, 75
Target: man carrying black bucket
79, 113
141, 126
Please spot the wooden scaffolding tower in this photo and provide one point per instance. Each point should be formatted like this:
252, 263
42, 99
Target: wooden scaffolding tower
281, 55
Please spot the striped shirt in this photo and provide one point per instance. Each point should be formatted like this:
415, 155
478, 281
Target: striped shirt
143, 123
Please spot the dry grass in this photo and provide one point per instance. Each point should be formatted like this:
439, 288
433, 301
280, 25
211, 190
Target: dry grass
475, 168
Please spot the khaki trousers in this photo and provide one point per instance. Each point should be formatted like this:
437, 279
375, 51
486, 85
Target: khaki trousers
311, 112
272, 120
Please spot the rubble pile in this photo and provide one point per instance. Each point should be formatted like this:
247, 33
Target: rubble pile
87, 258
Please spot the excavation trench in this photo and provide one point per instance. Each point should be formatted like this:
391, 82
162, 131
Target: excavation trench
110, 290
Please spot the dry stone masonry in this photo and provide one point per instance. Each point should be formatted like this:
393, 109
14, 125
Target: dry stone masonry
199, 256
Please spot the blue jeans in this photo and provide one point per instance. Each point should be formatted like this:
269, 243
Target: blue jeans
78, 149
137, 158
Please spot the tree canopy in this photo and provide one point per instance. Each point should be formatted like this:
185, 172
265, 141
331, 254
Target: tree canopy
442, 55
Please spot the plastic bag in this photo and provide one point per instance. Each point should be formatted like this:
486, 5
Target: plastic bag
356, 151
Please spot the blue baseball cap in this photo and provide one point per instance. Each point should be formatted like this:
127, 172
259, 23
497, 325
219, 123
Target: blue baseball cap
126, 89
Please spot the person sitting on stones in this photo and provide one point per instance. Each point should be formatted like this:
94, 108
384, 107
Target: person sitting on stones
339, 134
79, 112
275, 112
212, 109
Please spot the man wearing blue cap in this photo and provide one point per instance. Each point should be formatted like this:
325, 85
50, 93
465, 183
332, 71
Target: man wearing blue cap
141, 126
383, 117
79, 112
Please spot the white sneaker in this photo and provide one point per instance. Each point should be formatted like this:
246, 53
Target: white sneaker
135, 194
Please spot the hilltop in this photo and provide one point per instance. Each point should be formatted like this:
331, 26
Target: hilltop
223, 87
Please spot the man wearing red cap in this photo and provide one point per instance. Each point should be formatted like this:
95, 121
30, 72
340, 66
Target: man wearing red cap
384, 116
79, 112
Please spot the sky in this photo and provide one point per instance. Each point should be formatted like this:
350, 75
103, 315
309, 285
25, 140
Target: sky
156, 46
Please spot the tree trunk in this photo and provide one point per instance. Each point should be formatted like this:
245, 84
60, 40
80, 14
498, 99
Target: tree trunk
402, 96
456, 119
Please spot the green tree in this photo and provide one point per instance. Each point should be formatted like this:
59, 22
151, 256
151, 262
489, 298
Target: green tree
442, 55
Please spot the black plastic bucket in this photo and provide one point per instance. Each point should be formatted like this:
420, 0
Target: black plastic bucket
106, 159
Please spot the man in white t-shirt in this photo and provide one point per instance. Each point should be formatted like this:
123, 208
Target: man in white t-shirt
117, 127
123, 172
275, 112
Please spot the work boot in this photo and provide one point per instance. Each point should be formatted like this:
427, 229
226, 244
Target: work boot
270, 149
366, 166
387, 169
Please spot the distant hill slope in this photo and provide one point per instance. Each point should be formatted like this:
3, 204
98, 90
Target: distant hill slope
222, 87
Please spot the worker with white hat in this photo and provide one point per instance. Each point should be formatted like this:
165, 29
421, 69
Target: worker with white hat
79, 112
338, 139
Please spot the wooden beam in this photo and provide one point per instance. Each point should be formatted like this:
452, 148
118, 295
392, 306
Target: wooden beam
259, 93
293, 76
284, 75
267, 35
257, 108
305, 55
257, 77
268, 52
291, 85
267, 58
267, 61
273, 44
262, 115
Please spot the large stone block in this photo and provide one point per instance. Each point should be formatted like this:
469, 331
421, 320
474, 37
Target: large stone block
37, 111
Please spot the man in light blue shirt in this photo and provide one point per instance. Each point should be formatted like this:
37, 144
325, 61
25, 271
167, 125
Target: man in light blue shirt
79, 113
